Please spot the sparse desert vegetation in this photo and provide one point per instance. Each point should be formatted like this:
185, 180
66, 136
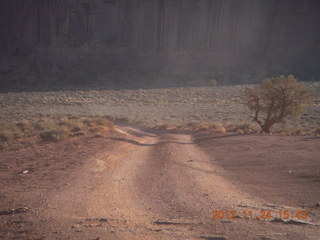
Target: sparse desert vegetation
176, 107
70, 163
127, 120
15, 135
51, 116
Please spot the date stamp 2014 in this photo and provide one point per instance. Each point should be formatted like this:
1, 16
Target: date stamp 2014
262, 214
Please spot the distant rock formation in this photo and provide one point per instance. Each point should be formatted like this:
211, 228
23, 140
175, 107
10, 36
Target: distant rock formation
127, 43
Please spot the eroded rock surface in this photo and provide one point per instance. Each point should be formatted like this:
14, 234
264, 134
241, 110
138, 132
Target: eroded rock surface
117, 43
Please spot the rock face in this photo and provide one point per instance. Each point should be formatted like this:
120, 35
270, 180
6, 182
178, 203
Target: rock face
121, 42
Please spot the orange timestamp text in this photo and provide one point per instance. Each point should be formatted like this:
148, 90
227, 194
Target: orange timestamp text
263, 214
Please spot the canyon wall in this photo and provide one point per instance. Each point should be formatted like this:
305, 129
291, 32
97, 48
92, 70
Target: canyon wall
154, 43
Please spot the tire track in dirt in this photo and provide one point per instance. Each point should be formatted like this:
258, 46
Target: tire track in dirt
181, 187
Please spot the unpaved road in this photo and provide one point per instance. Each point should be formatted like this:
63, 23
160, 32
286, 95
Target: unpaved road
140, 184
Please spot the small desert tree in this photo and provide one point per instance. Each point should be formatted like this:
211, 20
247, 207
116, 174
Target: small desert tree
276, 99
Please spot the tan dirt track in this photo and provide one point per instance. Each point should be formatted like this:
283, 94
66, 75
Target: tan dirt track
150, 185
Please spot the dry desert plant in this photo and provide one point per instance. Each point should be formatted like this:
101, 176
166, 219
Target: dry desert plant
53, 135
51, 129
276, 99
213, 83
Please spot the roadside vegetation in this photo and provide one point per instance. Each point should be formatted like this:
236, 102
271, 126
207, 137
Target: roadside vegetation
273, 102
29, 118
50, 129
235, 128
216, 127
277, 99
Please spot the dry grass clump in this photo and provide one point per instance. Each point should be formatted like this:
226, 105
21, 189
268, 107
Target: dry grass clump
203, 127
24, 125
218, 127
235, 128
299, 131
50, 129
98, 126
101, 122
5, 138
316, 131
44, 124
243, 128
164, 126
53, 135
213, 83
8, 135
192, 126
73, 125
220, 130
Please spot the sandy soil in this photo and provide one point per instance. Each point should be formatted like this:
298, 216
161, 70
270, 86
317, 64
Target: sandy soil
147, 184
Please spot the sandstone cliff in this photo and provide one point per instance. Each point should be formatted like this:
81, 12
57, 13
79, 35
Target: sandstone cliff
135, 42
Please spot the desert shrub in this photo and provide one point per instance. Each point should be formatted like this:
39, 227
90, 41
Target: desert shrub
24, 125
300, 131
52, 135
218, 127
284, 133
244, 128
213, 82
123, 119
99, 129
203, 127
5, 136
72, 124
220, 130
103, 122
3, 145
192, 125
276, 99
78, 127
163, 126
87, 122
44, 124
9, 136
10, 132
316, 131
229, 127
51, 129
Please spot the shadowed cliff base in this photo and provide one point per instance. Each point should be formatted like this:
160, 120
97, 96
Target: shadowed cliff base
114, 44
99, 74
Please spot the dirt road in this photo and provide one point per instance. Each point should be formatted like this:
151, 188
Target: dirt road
151, 185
